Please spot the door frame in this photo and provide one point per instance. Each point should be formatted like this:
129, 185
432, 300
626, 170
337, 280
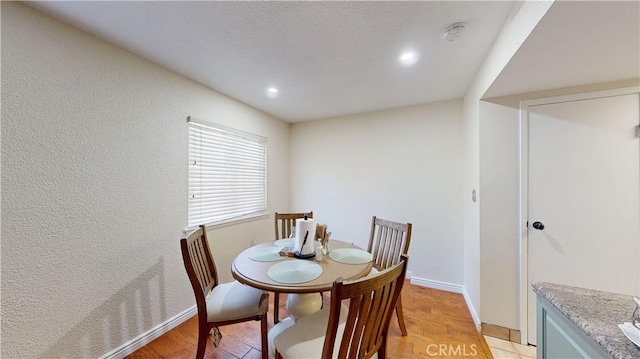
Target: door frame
524, 185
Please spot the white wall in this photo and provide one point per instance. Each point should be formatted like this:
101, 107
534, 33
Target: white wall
403, 165
515, 31
492, 255
499, 215
94, 189
499, 212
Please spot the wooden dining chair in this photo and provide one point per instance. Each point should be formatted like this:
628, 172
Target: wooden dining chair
219, 304
283, 224
357, 330
388, 241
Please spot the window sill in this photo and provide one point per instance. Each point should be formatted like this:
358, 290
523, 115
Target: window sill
230, 222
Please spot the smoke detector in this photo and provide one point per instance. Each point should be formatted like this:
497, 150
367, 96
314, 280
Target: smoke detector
455, 31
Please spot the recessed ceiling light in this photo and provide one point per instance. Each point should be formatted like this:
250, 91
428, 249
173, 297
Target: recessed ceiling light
272, 92
408, 58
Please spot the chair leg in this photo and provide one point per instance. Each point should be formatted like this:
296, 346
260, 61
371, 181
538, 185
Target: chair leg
276, 308
263, 334
382, 352
403, 327
203, 336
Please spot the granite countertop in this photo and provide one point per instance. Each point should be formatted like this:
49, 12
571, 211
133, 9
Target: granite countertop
597, 314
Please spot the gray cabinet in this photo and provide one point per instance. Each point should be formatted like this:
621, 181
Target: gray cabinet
558, 338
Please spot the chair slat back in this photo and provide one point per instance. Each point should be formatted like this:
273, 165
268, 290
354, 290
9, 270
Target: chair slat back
371, 305
199, 264
388, 241
284, 222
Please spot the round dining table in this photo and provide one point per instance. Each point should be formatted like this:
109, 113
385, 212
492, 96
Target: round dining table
262, 267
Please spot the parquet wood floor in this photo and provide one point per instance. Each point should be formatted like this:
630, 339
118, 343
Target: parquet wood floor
438, 322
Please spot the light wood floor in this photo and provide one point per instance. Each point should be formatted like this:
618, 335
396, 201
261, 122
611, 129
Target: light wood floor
438, 322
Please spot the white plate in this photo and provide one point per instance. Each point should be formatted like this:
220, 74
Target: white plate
286, 242
269, 254
294, 271
350, 256
631, 332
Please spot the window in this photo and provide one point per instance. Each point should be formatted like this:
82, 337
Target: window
227, 174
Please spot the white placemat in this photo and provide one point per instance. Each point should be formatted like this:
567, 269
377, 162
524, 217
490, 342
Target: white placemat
268, 254
294, 271
286, 242
350, 256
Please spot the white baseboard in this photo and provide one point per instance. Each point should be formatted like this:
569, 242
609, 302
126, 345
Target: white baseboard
428, 283
149, 336
472, 310
450, 287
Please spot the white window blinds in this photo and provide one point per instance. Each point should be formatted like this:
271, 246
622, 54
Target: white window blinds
227, 174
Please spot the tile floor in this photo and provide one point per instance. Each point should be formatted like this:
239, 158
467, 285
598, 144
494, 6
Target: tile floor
508, 350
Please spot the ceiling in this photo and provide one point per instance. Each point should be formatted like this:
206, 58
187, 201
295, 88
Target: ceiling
576, 43
326, 58
331, 58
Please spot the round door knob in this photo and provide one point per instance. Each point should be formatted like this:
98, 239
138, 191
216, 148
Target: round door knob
538, 225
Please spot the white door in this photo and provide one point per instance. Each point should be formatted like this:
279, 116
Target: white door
584, 188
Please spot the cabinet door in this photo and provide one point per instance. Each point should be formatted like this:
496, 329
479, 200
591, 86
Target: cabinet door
560, 339
559, 343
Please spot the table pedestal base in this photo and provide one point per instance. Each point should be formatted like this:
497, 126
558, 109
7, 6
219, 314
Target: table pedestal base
301, 305
298, 306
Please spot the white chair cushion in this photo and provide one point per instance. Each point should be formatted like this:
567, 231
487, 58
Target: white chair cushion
235, 300
306, 338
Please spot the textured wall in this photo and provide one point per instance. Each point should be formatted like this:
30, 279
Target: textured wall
94, 189
403, 165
